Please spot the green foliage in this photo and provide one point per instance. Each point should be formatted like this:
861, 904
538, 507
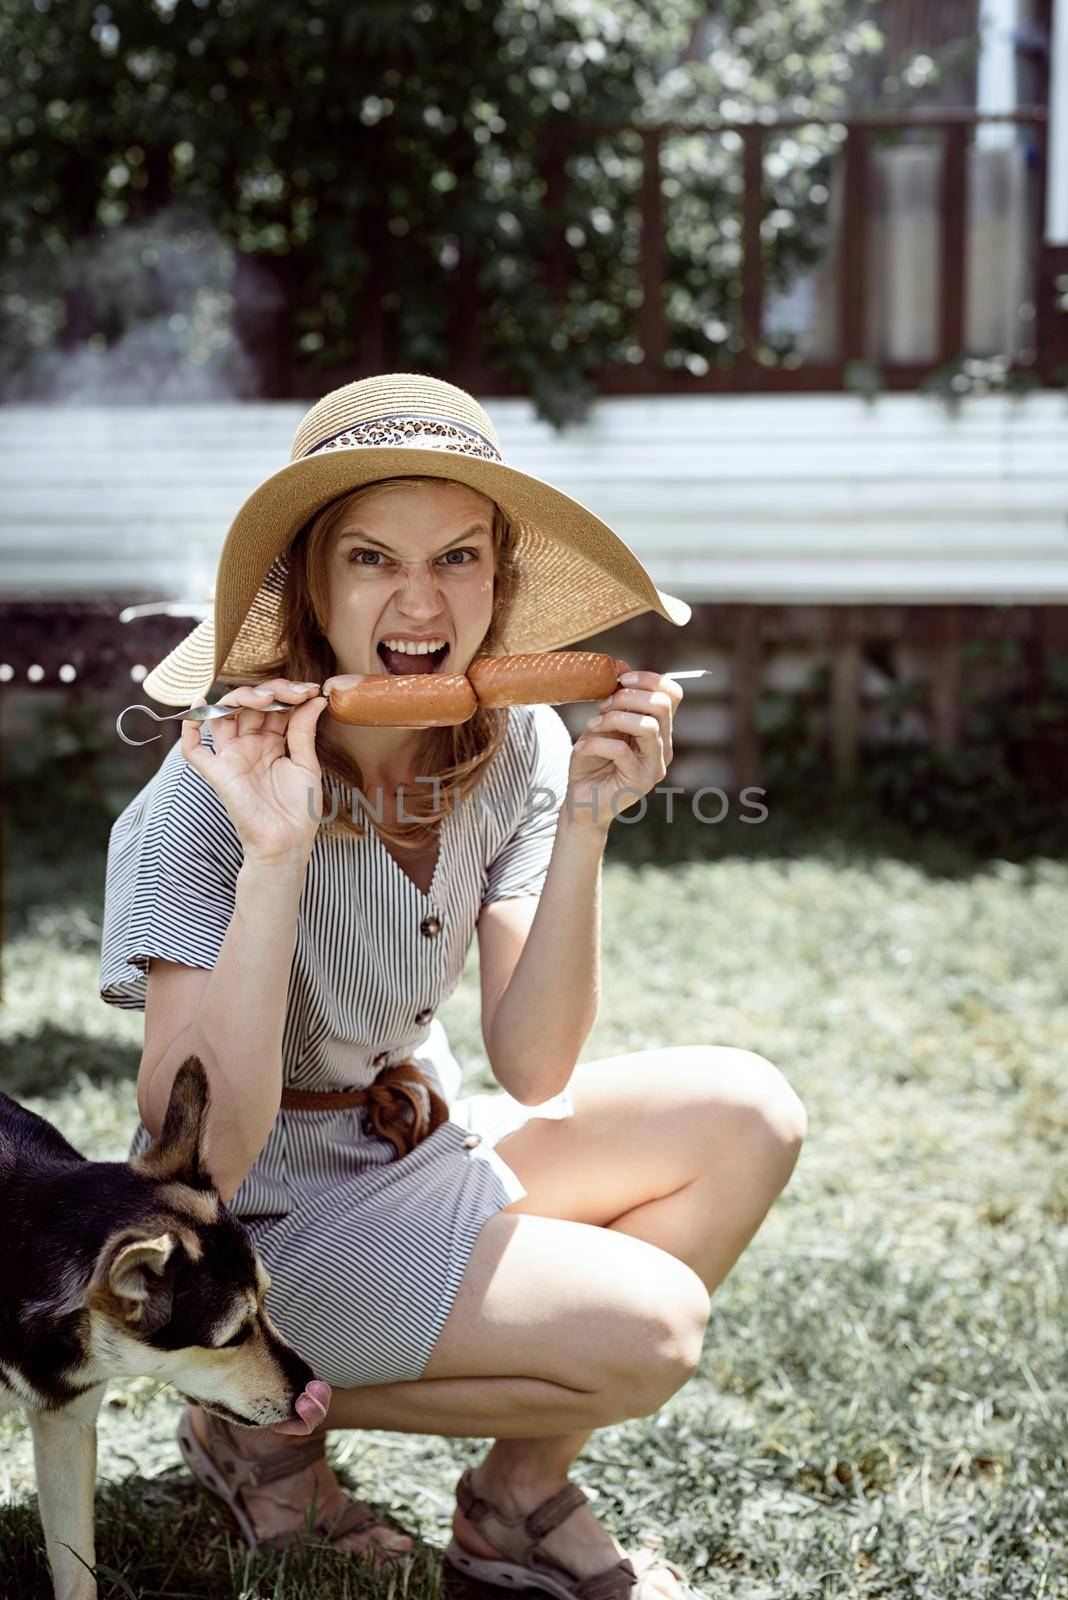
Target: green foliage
66, 777
976, 375
67, 772
359, 156
1000, 792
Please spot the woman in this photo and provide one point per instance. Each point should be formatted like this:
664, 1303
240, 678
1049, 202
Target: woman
527, 1265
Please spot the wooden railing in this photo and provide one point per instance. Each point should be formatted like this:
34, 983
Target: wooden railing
77, 650
753, 367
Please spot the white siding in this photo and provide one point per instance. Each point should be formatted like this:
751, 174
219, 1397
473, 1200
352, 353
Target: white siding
729, 498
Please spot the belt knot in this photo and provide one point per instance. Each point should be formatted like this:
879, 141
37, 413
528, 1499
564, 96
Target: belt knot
401, 1105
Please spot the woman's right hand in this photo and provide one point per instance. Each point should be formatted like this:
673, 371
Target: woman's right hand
274, 798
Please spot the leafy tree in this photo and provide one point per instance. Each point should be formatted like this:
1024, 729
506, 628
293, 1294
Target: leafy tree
374, 176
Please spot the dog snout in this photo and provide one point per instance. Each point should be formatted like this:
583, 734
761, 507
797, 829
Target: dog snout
296, 1372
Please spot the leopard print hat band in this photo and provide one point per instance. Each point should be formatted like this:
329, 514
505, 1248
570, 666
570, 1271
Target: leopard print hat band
421, 433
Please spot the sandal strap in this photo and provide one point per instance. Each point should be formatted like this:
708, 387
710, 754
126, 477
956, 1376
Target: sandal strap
614, 1583
474, 1508
241, 1469
517, 1535
549, 1515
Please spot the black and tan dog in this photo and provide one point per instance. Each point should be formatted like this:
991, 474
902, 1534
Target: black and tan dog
115, 1270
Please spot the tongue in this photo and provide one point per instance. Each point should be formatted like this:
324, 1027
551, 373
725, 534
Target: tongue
397, 661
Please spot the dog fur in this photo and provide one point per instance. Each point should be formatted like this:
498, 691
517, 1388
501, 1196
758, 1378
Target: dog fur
116, 1270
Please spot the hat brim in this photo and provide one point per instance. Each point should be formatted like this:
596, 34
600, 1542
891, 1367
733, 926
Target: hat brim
589, 578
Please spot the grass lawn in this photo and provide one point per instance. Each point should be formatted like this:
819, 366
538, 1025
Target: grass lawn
880, 1409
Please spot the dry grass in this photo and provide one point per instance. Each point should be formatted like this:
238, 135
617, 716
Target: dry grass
880, 1409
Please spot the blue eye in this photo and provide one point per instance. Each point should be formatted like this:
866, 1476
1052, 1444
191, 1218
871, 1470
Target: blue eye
355, 557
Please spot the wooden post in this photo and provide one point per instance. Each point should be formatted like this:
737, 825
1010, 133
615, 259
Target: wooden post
946, 677
853, 255
752, 252
952, 253
845, 698
746, 668
1054, 623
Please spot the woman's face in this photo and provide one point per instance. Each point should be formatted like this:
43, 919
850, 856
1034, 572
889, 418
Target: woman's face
412, 564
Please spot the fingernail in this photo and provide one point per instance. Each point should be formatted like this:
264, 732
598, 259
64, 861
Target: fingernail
595, 720
604, 704
265, 693
629, 677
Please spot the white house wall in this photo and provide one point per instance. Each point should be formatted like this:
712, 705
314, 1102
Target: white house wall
725, 498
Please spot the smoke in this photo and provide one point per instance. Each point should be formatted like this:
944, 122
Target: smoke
142, 314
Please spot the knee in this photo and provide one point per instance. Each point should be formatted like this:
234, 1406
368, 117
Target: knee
777, 1117
658, 1346
770, 1113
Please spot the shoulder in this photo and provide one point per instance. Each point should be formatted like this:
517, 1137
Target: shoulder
533, 761
539, 736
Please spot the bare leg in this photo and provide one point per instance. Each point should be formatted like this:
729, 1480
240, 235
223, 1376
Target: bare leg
686, 1149
525, 1351
681, 1152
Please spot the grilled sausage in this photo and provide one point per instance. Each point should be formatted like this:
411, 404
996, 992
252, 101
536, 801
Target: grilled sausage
409, 700
432, 700
552, 677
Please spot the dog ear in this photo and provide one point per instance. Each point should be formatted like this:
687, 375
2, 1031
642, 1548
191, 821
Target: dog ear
179, 1152
133, 1281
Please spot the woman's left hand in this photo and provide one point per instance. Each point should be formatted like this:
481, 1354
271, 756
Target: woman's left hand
626, 749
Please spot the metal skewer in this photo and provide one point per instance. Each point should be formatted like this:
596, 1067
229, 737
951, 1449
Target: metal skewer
194, 714
205, 713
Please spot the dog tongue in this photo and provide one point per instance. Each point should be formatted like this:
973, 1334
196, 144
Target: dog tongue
397, 661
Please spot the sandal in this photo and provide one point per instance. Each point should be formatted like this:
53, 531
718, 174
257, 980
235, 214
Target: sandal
225, 1471
518, 1536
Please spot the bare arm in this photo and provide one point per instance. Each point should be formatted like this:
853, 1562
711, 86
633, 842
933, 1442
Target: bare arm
265, 770
541, 969
236, 1026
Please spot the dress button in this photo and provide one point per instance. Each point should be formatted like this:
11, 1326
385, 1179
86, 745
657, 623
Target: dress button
430, 927
423, 1016
471, 1141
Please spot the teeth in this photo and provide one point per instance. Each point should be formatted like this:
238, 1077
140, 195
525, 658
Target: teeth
412, 647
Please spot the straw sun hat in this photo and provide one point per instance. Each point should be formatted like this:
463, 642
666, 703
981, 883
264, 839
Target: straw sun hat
575, 576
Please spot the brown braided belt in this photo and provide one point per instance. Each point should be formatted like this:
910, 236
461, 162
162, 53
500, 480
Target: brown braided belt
401, 1105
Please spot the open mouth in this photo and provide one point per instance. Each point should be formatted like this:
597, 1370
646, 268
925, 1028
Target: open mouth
400, 664
220, 1410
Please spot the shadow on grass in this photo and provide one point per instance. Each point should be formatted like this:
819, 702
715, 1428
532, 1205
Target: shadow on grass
846, 833
46, 1063
60, 893
162, 1537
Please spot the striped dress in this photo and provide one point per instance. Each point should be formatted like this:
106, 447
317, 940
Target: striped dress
365, 1252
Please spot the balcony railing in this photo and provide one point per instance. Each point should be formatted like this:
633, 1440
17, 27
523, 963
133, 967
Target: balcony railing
752, 363
920, 246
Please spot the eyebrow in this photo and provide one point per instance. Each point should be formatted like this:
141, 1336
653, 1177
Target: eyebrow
357, 533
